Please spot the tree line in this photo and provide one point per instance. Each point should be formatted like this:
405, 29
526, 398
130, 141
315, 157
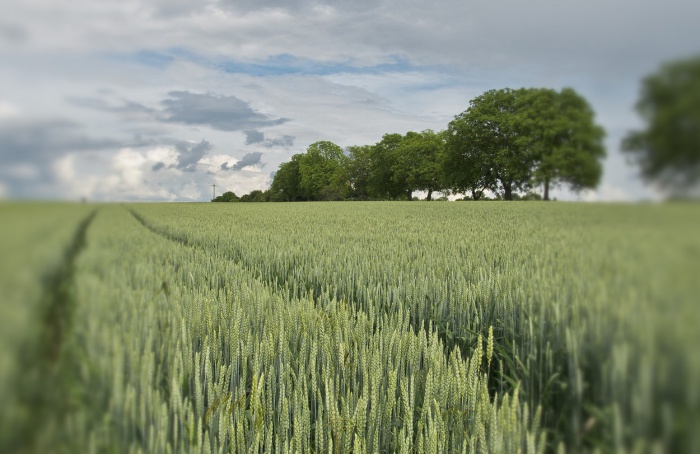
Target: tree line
508, 142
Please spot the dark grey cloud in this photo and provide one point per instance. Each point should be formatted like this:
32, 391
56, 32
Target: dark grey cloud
257, 137
130, 107
12, 33
282, 141
225, 113
33, 141
249, 159
128, 110
252, 136
30, 148
189, 154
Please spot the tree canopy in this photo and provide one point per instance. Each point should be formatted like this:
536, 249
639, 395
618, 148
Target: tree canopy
667, 150
286, 182
507, 142
383, 183
323, 171
511, 140
228, 196
564, 141
418, 162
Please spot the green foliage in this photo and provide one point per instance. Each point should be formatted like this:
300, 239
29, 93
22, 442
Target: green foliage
567, 145
488, 144
466, 169
397, 166
507, 141
668, 149
256, 196
228, 196
286, 182
360, 167
322, 172
510, 140
418, 163
528, 196
383, 184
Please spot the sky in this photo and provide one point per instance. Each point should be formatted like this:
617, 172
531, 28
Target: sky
137, 100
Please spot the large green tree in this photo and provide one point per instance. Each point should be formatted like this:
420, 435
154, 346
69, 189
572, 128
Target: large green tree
509, 140
228, 196
418, 163
492, 137
667, 150
286, 183
382, 184
359, 167
465, 168
559, 130
323, 172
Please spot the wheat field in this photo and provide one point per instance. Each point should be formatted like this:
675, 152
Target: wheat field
350, 327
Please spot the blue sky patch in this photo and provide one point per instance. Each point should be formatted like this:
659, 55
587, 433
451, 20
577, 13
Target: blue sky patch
286, 64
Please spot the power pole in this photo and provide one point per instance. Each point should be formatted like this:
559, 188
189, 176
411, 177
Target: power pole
214, 191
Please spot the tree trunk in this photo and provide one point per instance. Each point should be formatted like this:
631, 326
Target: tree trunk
507, 192
430, 194
546, 189
409, 195
476, 195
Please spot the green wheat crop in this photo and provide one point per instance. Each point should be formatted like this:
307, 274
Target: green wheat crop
369, 327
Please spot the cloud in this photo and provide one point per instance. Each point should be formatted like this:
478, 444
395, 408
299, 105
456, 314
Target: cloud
127, 108
367, 32
128, 175
249, 159
189, 154
89, 102
145, 119
35, 140
12, 33
8, 110
348, 70
252, 136
166, 9
282, 141
225, 113
35, 154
